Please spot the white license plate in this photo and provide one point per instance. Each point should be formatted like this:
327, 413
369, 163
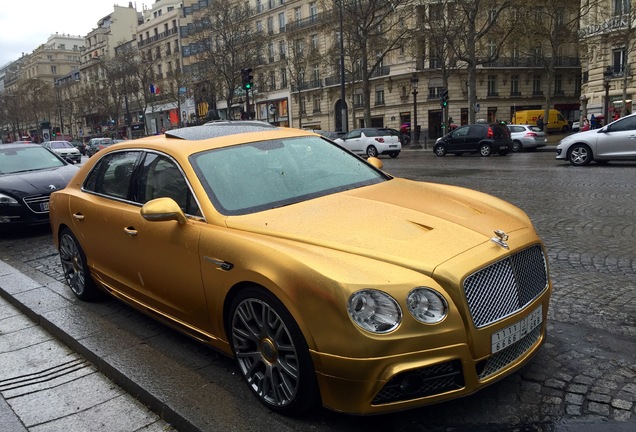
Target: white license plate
515, 332
44, 206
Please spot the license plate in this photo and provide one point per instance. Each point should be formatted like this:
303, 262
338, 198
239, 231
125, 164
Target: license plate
515, 332
44, 206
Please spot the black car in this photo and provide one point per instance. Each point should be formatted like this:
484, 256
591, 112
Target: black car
482, 138
28, 175
405, 139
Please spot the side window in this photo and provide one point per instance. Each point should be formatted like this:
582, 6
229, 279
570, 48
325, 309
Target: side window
461, 132
625, 124
112, 174
162, 178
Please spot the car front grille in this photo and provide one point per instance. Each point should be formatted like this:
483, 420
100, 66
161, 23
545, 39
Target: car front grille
506, 356
507, 286
417, 383
35, 203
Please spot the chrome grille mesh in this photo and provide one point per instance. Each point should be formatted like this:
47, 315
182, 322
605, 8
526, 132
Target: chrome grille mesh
33, 202
507, 286
506, 356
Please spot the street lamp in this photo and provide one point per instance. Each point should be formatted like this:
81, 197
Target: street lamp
414, 132
607, 77
59, 107
344, 121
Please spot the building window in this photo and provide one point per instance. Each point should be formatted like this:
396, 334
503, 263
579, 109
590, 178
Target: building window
316, 102
53, 69
259, 6
379, 95
492, 85
514, 86
297, 14
536, 86
314, 41
618, 61
358, 100
621, 7
313, 10
272, 80
303, 105
270, 25
316, 74
270, 51
558, 85
283, 78
282, 49
281, 21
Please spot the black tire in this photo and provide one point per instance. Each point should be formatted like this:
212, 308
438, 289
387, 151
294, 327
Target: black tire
394, 154
516, 146
580, 155
271, 353
485, 150
372, 151
75, 269
439, 150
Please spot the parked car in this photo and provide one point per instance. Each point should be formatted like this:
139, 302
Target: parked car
371, 142
526, 137
329, 134
97, 144
404, 138
28, 175
80, 146
482, 138
65, 149
328, 280
616, 141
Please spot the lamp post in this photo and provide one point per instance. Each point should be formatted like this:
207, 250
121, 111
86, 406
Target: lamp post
59, 107
344, 121
607, 77
414, 132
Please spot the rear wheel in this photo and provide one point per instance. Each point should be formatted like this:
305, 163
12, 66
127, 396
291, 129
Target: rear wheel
485, 150
372, 151
75, 268
271, 353
580, 155
516, 146
439, 150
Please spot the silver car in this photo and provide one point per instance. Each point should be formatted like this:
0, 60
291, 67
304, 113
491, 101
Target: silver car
526, 137
64, 149
371, 142
616, 141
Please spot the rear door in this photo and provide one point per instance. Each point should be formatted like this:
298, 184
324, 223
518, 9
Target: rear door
478, 132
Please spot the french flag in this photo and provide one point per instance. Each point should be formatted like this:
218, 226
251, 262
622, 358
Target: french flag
154, 89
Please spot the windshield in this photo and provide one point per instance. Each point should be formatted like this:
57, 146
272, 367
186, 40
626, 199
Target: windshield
61, 145
14, 160
267, 174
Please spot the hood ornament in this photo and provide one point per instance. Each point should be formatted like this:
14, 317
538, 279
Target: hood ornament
501, 239
52, 187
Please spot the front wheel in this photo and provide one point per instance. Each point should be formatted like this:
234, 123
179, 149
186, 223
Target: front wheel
271, 353
485, 150
75, 268
580, 155
439, 150
372, 151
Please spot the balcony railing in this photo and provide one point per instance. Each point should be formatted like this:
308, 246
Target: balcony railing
157, 37
310, 21
537, 62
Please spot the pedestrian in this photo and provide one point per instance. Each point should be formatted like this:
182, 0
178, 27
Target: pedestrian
540, 122
586, 125
593, 122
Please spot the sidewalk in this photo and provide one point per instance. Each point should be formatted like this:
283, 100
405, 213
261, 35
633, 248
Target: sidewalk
44, 386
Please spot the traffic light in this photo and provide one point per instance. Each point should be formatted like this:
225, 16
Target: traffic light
247, 78
443, 99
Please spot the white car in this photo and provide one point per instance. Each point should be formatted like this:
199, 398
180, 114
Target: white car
616, 141
526, 137
64, 149
371, 142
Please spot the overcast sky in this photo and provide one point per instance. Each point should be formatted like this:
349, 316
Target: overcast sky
27, 24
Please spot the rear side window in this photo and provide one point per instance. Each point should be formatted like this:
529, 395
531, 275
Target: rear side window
112, 174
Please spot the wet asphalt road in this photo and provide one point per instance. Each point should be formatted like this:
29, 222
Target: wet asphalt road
583, 379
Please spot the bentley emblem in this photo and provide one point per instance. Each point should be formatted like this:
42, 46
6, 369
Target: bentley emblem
501, 239
52, 187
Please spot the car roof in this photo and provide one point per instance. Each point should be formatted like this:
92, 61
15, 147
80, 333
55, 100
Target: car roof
194, 139
19, 145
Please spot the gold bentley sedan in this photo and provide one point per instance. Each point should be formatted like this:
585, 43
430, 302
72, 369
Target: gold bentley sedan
329, 281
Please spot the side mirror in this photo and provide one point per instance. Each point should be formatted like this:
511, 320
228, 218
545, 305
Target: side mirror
375, 162
163, 209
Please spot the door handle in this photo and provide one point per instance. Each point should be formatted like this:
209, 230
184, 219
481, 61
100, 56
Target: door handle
78, 216
131, 231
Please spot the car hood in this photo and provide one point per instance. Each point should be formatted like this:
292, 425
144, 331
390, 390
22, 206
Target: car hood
37, 182
413, 224
589, 136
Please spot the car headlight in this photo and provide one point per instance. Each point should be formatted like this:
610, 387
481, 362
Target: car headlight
427, 305
374, 311
7, 200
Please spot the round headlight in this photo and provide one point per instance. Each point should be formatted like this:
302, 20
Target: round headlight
374, 311
427, 305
